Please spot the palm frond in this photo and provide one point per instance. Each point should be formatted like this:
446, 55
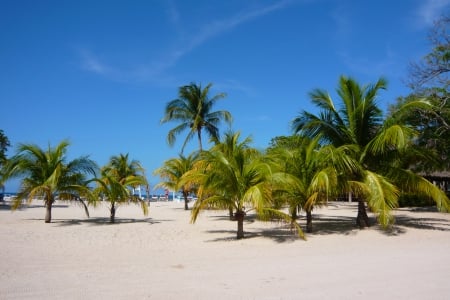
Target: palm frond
382, 198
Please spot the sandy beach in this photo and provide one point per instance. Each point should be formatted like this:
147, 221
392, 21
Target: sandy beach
163, 256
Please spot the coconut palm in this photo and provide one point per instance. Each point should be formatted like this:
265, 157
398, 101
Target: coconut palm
237, 177
310, 174
378, 142
118, 192
172, 173
193, 109
118, 178
47, 174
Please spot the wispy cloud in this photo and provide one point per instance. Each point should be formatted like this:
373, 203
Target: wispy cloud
387, 65
235, 86
173, 14
430, 10
156, 70
215, 28
91, 63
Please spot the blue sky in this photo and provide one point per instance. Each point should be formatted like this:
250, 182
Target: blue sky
99, 73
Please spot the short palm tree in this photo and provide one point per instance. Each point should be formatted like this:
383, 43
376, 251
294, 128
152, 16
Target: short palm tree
172, 172
379, 144
193, 109
310, 174
118, 178
233, 176
47, 174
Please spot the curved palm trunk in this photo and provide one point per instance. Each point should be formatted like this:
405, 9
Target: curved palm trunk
186, 201
309, 227
112, 217
240, 222
362, 220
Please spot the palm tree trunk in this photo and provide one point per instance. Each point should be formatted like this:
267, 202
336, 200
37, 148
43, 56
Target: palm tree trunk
362, 220
112, 217
48, 211
185, 196
240, 222
199, 134
308, 221
230, 213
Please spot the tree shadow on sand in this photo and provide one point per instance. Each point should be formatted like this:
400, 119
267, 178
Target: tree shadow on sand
415, 218
282, 232
8, 206
420, 222
101, 221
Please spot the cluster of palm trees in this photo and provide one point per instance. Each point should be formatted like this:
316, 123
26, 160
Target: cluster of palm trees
46, 174
351, 149
346, 149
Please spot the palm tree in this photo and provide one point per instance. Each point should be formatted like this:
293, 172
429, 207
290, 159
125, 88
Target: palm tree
117, 191
118, 178
379, 145
4, 144
172, 173
310, 174
45, 173
193, 110
234, 178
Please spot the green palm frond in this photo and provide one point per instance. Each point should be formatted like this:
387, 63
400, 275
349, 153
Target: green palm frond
395, 137
411, 182
382, 198
268, 213
193, 109
45, 173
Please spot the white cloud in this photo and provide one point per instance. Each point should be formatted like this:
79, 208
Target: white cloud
431, 10
215, 28
91, 63
236, 86
173, 15
155, 71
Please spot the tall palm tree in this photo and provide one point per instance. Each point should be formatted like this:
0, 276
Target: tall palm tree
378, 142
172, 173
237, 178
193, 109
118, 178
45, 173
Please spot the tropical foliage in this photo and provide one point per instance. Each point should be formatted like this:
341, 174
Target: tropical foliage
193, 110
309, 175
380, 145
4, 144
48, 175
232, 175
429, 79
172, 173
118, 178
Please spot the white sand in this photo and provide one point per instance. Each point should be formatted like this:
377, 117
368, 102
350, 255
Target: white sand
162, 256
